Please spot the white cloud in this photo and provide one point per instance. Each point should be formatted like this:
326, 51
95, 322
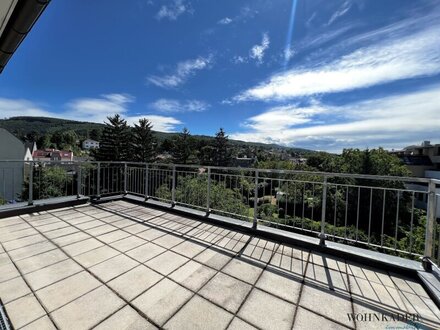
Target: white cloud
289, 53
172, 11
183, 72
225, 21
257, 51
19, 107
394, 58
391, 121
97, 109
239, 59
160, 123
340, 12
87, 109
170, 106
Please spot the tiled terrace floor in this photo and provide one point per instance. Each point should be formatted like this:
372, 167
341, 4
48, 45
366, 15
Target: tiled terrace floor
122, 266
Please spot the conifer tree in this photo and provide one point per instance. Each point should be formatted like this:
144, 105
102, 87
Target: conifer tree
222, 155
182, 150
143, 142
114, 145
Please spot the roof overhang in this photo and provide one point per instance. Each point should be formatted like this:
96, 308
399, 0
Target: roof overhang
17, 17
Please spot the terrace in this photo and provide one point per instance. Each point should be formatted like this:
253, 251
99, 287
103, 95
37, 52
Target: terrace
121, 245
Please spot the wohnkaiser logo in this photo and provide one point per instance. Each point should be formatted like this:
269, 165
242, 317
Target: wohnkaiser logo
409, 318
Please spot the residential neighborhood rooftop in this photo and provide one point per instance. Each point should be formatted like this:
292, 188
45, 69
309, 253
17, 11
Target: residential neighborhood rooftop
120, 265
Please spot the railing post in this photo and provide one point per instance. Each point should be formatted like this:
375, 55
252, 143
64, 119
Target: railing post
78, 182
430, 220
173, 188
208, 195
125, 179
254, 224
323, 211
146, 181
31, 184
98, 182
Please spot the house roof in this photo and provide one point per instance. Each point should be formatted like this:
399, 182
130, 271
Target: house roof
418, 160
17, 18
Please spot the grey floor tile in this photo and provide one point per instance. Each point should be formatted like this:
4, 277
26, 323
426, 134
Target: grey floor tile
113, 267
13, 289
281, 284
306, 320
199, 313
51, 274
146, 252
267, 311
226, 291
192, 275
88, 310
67, 290
135, 282
161, 301
244, 268
166, 262
24, 310
126, 318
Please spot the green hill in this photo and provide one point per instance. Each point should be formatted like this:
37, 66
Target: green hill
23, 126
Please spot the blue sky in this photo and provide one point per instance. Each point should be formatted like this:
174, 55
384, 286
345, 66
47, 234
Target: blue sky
318, 74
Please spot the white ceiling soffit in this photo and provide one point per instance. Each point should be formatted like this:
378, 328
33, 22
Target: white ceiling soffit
6, 9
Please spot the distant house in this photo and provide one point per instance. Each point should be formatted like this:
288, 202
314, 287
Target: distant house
53, 155
90, 144
243, 162
12, 173
30, 148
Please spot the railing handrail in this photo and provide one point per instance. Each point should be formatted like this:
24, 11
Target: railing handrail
251, 169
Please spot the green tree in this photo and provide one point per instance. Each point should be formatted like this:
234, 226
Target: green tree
49, 182
183, 150
114, 145
222, 155
95, 134
143, 146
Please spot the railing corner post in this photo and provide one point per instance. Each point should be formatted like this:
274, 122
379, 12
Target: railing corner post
255, 221
323, 212
31, 184
430, 221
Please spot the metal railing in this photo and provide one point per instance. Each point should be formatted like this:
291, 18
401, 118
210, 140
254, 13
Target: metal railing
395, 215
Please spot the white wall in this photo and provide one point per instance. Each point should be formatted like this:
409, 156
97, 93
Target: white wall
11, 173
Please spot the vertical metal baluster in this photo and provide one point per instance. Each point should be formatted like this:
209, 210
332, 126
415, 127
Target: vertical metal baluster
173, 191
313, 199
411, 225
285, 206
146, 182
125, 178
78, 182
323, 210
397, 219
430, 221
336, 210
357, 216
303, 206
254, 225
294, 203
383, 217
98, 193
369, 215
208, 195
346, 212
31, 184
